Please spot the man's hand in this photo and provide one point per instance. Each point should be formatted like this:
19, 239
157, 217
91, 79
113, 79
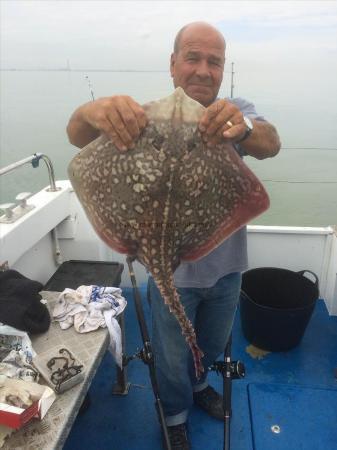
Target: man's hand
222, 120
119, 117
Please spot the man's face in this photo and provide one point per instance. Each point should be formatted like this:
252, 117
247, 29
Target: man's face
198, 65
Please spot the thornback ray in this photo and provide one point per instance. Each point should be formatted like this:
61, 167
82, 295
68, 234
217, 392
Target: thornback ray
168, 200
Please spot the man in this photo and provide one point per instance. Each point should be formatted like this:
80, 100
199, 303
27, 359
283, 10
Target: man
209, 288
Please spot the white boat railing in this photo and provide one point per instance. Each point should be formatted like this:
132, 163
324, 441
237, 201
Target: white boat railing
34, 160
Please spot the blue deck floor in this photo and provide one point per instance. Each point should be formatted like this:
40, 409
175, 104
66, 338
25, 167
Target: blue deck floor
296, 390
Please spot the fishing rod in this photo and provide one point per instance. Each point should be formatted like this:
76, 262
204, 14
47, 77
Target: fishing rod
90, 88
146, 353
230, 370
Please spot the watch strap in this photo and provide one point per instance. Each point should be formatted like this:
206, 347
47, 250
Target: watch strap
249, 129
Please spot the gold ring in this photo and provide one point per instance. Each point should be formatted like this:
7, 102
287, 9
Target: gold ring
229, 123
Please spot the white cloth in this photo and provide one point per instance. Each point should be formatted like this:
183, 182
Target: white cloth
89, 308
17, 364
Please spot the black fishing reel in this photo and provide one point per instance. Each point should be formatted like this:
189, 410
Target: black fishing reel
229, 369
145, 354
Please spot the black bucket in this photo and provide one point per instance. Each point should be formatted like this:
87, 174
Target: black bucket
276, 306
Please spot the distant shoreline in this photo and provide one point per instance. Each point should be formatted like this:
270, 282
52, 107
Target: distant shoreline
79, 70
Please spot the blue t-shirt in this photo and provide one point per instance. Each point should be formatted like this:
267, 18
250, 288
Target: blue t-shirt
231, 255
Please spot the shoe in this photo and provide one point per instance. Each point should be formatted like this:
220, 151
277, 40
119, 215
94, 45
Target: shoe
178, 437
210, 401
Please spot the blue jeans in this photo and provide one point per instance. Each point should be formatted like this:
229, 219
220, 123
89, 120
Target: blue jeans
212, 311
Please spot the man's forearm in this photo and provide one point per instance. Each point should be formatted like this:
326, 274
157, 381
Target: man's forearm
80, 132
264, 141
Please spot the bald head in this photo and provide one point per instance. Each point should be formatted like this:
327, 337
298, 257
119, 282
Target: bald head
202, 27
197, 62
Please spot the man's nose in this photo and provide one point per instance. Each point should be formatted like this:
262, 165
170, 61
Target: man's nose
202, 70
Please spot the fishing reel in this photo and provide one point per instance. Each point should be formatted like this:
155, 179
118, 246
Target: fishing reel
145, 354
229, 369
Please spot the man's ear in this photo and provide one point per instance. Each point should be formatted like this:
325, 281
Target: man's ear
172, 63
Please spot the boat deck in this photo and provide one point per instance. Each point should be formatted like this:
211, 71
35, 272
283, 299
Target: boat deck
294, 390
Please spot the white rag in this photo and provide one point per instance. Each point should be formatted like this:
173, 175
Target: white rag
89, 308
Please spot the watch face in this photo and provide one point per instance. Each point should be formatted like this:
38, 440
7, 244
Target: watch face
248, 122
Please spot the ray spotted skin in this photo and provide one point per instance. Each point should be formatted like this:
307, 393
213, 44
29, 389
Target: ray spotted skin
170, 199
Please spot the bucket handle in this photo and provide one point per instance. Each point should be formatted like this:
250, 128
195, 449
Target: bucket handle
302, 272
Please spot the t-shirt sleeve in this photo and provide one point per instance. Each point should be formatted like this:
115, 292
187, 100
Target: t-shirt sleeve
247, 108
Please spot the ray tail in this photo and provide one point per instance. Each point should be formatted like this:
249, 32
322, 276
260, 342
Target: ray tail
172, 299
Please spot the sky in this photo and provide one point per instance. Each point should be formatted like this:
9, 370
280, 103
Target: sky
138, 35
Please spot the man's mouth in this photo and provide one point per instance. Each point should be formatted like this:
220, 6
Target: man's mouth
200, 86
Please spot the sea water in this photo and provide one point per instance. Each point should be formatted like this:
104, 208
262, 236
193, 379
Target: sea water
301, 180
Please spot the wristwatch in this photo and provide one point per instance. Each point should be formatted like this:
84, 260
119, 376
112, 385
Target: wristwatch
249, 129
